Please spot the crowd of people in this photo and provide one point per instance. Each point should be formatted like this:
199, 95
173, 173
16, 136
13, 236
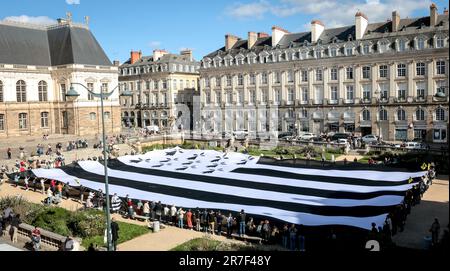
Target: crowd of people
293, 237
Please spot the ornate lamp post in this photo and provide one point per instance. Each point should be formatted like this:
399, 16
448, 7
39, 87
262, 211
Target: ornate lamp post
73, 94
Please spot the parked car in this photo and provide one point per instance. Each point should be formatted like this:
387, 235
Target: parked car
414, 146
240, 134
337, 136
307, 136
369, 139
281, 135
341, 141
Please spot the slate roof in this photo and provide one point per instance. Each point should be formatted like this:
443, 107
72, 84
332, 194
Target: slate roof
56, 46
340, 34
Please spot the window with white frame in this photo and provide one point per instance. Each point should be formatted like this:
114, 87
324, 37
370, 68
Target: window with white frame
366, 115
252, 79
383, 71
304, 113
207, 82
304, 76
367, 90
440, 67
420, 90
334, 94
228, 79
334, 74
383, 46
420, 114
290, 95
349, 73
441, 87
420, 69
264, 96
218, 81
420, 43
366, 72
401, 91
319, 74
401, 70
348, 51
366, 49
304, 94
318, 54
229, 97
44, 119
401, 115
349, 92
277, 77
252, 96
333, 52
277, 95
218, 97
318, 94
240, 80
23, 118
264, 78
383, 115
439, 114
240, 97
440, 42
290, 76
439, 135
208, 97
401, 45
42, 91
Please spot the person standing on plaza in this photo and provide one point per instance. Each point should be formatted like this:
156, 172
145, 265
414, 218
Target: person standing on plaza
219, 219
114, 233
158, 210
49, 196
66, 190
189, 219
435, 230
173, 214
242, 220
211, 221
181, 213
292, 236
16, 180
36, 239
285, 236
146, 209
229, 225
15, 222
116, 202
9, 153
25, 181
166, 212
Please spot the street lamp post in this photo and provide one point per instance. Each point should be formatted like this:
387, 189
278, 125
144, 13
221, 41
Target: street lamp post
72, 93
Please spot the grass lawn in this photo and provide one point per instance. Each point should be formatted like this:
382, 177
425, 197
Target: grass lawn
126, 233
198, 244
364, 160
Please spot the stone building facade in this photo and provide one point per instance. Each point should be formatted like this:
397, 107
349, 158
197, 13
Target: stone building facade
163, 86
37, 66
386, 78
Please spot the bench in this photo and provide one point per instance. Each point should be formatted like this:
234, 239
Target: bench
247, 238
49, 239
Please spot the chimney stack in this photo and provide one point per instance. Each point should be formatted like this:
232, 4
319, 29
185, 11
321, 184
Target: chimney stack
395, 21
252, 37
187, 53
361, 22
135, 56
262, 35
116, 63
317, 28
445, 11
433, 15
277, 34
157, 54
61, 21
230, 41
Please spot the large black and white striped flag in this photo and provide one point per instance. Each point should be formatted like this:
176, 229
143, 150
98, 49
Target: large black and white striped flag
235, 181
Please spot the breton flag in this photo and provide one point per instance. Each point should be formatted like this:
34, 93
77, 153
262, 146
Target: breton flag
312, 196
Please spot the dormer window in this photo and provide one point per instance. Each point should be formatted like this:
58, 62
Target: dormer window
420, 43
349, 51
349, 37
333, 52
383, 46
440, 42
366, 49
334, 40
318, 54
305, 43
401, 45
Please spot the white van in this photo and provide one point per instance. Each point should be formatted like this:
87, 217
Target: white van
413, 145
152, 128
